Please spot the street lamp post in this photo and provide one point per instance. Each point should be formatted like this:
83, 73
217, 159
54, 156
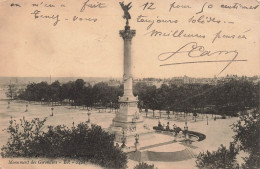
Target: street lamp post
186, 130
26, 110
8, 105
136, 142
207, 119
52, 111
123, 140
89, 116
186, 126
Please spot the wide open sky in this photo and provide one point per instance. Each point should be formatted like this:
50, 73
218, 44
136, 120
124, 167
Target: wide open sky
32, 46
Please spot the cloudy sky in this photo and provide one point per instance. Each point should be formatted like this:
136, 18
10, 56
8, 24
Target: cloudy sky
32, 46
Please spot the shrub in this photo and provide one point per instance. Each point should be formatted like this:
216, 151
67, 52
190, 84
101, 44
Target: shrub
82, 142
223, 158
24, 138
144, 166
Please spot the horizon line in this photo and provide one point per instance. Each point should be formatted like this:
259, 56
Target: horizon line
122, 76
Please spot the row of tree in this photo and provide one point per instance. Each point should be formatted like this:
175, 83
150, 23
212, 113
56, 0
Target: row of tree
230, 97
75, 92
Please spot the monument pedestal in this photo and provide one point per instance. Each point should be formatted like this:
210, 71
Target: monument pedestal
128, 113
127, 120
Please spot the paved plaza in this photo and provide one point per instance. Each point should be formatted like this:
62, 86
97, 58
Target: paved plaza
217, 132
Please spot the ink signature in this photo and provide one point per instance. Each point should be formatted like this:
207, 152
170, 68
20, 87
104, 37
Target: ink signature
193, 50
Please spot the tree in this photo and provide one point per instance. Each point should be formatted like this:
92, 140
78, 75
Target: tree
163, 97
11, 92
43, 91
235, 95
152, 100
76, 92
140, 89
31, 93
101, 94
55, 90
248, 138
88, 95
65, 89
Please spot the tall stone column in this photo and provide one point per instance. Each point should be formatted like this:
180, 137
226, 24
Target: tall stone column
127, 36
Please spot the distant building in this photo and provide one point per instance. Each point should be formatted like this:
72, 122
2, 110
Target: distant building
189, 80
177, 81
222, 80
150, 82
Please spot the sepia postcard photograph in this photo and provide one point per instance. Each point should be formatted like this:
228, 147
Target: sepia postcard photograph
124, 84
